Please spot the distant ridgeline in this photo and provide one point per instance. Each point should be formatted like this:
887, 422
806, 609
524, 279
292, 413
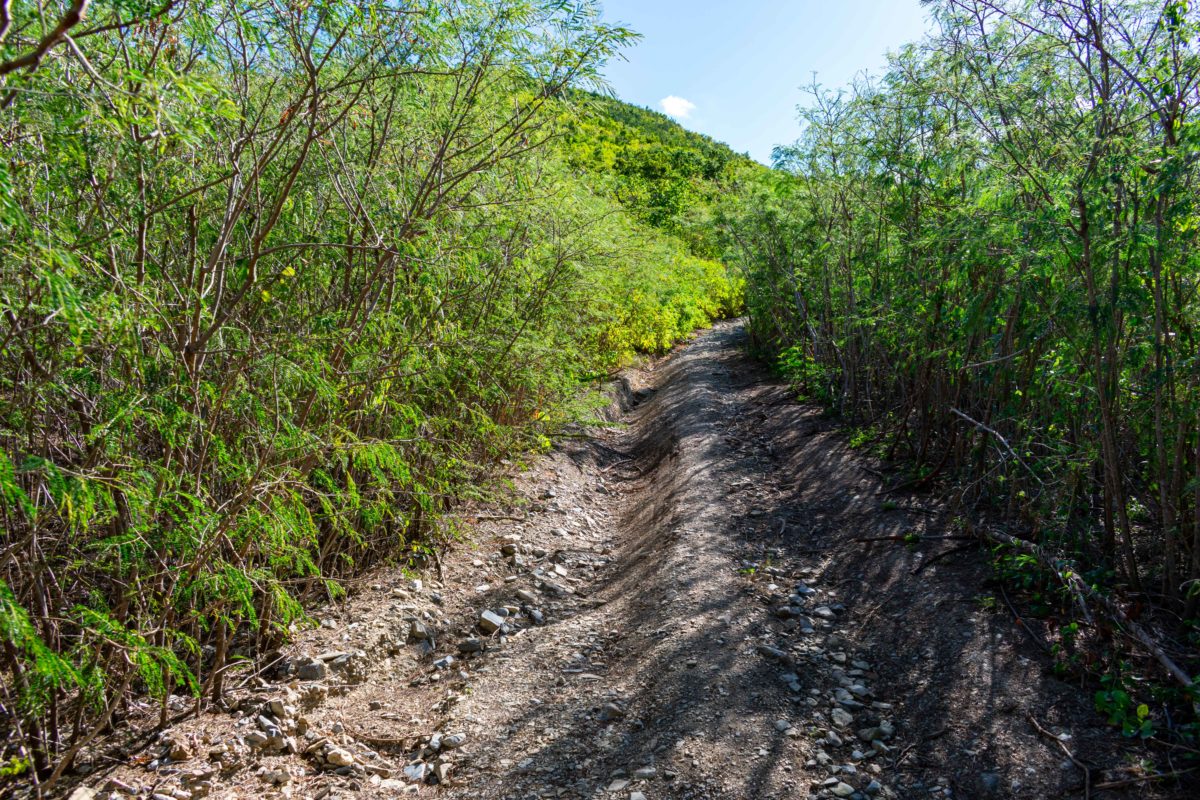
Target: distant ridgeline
278, 283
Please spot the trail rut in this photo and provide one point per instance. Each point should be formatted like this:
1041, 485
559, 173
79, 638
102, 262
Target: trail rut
694, 614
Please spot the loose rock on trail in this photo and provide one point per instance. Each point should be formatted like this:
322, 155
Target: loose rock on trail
683, 608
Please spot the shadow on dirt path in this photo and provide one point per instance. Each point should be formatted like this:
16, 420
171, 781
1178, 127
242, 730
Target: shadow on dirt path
711, 598
709, 676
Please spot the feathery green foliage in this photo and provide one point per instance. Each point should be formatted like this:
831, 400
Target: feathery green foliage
279, 282
989, 255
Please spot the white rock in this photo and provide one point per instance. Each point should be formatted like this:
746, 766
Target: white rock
842, 718
339, 757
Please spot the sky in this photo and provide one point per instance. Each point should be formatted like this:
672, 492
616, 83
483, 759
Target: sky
736, 70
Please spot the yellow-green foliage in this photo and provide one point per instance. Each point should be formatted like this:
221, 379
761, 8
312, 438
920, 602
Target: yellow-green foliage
267, 313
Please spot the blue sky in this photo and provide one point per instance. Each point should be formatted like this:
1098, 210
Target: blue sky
735, 69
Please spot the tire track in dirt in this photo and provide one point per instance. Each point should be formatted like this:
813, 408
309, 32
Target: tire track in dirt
695, 704
756, 647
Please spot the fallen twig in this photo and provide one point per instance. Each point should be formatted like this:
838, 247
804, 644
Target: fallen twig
1087, 772
933, 559
1003, 441
908, 749
616, 464
1158, 776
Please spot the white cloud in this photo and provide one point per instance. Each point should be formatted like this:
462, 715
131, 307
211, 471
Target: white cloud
677, 107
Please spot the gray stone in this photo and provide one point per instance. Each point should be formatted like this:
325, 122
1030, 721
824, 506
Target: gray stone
278, 777
645, 773
869, 734
611, 711
312, 670
774, 654
557, 588
454, 741
527, 597
471, 645
490, 622
416, 772
418, 631
255, 739
841, 718
843, 789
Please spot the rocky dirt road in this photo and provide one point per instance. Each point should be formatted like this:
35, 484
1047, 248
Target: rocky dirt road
700, 601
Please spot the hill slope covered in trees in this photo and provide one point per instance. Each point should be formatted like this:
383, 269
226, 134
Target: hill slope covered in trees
279, 282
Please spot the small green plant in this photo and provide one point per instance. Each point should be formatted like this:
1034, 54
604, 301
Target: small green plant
1066, 656
860, 437
809, 377
1115, 701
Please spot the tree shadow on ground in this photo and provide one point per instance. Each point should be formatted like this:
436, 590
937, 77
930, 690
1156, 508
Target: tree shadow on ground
737, 486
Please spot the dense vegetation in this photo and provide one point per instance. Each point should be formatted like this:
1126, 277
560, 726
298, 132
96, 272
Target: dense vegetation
987, 258
279, 281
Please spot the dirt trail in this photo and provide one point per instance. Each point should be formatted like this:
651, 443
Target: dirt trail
691, 614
